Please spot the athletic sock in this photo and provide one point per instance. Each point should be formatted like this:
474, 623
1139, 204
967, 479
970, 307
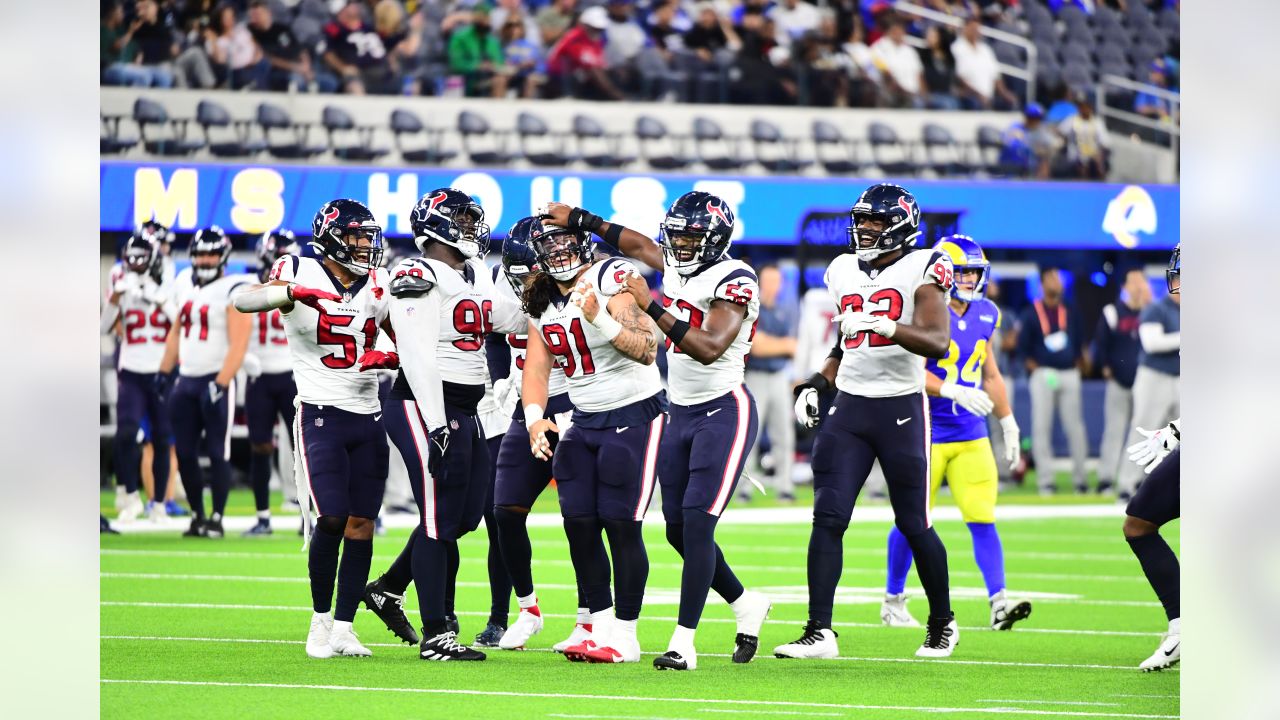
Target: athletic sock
397, 577
584, 616
353, 575
517, 554
699, 565
454, 560
989, 555
128, 456
630, 567
723, 581
322, 569
530, 602
590, 562
192, 483
681, 638
499, 579
899, 562
430, 563
264, 515
931, 566
622, 630
1161, 567
160, 465
220, 483
826, 562
260, 479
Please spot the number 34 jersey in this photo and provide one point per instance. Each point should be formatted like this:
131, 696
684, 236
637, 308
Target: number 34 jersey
875, 366
970, 345
325, 347
689, 299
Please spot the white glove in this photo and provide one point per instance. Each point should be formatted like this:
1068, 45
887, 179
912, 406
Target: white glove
1156, 445
151, 292
852, 323
505, 395
1012, 440
251, 365
972, 399
129, 283
807, 407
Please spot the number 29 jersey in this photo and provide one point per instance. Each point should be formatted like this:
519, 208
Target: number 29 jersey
970, 344
875, 366
325, 346
689, 298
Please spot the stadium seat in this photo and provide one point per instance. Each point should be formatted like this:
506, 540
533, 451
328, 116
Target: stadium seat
405, 122
1010, 54
1077, 54
596, 147
708, 132
650, 130
1069, 14
111, 142
308, 30
272, 117
533, 132
1111, 53
337, 121
990, 145
943, 153
889, 153
472, 125
827, 135
1078, 76
214, 119
148, 113
776, 153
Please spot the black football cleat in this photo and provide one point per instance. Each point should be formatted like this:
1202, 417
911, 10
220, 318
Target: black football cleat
745, 647
389, 608
451, 623
262, 528
490, 636
445, 646
196, 529
104, 527
672, 660
213, 527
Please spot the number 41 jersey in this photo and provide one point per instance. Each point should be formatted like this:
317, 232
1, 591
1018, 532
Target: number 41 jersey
689, 299
875, 366
325, 346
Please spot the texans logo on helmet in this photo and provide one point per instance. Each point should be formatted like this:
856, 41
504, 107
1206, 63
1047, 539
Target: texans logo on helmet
718, 211
435, 201
902, 203
330, 215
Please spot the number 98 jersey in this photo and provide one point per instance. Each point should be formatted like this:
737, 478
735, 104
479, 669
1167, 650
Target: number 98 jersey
875, 366
689, 299
970, 344
325, 347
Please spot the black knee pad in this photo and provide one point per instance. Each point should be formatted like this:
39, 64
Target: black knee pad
332, 524
832, 523
675, 536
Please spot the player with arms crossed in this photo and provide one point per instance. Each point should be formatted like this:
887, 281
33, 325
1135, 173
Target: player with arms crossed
1155, 504
442, 305
963, 388
605, 465
711, 303
892, 305
271, 389
339, 440
208, 343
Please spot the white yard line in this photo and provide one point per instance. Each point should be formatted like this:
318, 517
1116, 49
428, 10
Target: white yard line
627, 698
1051, 702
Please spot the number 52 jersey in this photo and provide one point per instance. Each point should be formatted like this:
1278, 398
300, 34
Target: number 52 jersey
325, 346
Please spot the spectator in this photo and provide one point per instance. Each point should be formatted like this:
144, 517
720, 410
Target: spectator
1049, 342
118, 50
476, 54
900, 65
794, 18
757, 81
664, 30
939, 69
555, 19
711, 35
236, 56
1029, 145
768, 377
289, 63
978, 71
576, 61
863, 73
823, 65
156, 47
356, 54
523, 59
624, 40
402, 37
1086, 138
1155, 385
1115, 352
514, 10
1063, 107
1150, 105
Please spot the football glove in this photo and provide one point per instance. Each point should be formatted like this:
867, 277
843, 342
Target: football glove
311, 297
437, 444
251, 365
378, 360
852, 323
130, 283
213, 395
163, 383
505, 395
972, 399
1012, 440
1155, 446
807, 405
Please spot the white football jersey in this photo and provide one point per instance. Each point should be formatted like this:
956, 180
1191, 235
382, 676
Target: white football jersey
325, 348
600, 378
145, 326
269, 342
689, 298
202, 324
168, 271
518, 341
875, 366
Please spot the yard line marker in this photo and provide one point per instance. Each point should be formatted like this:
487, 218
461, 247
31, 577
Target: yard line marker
1052, 702
627, 698
771, 712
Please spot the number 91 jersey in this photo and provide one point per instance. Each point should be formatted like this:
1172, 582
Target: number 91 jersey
325, 347
875, 366
689, 299
970, 344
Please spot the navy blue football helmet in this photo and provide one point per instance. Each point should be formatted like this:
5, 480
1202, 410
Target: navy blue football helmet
272, 246
142, 255
451, 217
519, 259
156, 231
337, 229
896, 209
561, 252
210, 241
1173, 274
697, 230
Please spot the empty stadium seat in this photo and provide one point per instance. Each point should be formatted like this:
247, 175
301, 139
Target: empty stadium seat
774, 151
226, 137
725, 154
836, 153
596, 147
275, 121
538, 144
405, 122
111, 143
942, 153
888, 152
151, 114
473, 126
338, 122
651, 131
990, 144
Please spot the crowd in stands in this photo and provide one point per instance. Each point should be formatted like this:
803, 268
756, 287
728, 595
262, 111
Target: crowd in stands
840, 53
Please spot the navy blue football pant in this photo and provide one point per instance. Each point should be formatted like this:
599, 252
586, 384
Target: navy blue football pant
1157, 502
267, 397
855, 432
194, 414
499, 580
136, 399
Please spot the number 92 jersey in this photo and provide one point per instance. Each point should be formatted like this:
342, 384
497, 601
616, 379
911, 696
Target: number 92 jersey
875, 366
970, 344
689, 299
325, 347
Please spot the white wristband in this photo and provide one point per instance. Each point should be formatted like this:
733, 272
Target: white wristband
532, 414
278, 295
1008, 423
605, 323
948, 390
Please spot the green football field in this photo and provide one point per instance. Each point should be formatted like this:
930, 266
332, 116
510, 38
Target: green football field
208, 628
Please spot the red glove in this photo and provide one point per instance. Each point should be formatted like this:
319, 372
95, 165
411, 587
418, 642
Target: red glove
378, 360
311, 297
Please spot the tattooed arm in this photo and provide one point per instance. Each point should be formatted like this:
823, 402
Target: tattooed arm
637, 339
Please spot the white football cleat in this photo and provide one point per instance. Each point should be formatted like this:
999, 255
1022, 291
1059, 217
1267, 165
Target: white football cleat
527, 625
817, 642
1169, 652
343, 641
939, 639
893, 612
318, 636
619, 649
157, 512
1006, 612
581, 632
131, 508
750, 611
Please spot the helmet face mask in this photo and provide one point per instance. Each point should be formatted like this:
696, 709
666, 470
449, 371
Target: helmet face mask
967, 258
1173, 274
141, 254
210, 249
452, 218
562, 253
345, 232
272, 246
885, 218
697, 230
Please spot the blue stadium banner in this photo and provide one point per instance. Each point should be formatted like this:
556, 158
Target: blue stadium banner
256, 198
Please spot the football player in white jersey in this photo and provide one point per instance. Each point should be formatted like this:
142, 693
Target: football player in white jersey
140, 306
605, 465
339, 440
208, 343
892, 305
271, 390
711, 303
442, 306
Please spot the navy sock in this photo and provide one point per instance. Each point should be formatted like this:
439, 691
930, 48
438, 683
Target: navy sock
397, 577
630, 566
590, 562
160, 467
931, 566
1161, 567
899, 562
220, 484
724, 581
322, 568
989, 555
499, 581
353, 575
260, 479
192, 482
517, 554
430, 563
704, 568
454, 560
826, 562
128, 456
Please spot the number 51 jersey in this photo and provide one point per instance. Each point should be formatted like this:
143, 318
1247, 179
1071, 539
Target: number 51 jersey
325, 346
875, 366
